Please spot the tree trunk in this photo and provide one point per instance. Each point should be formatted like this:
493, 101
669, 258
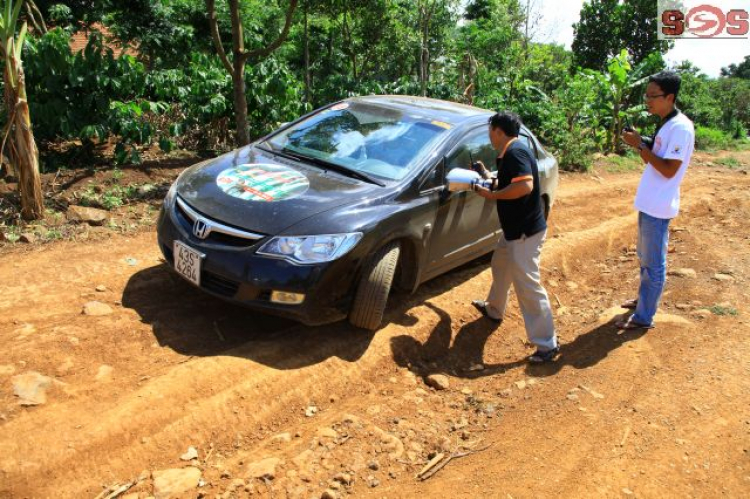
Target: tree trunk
240, 103
613, 128
21, 146
236, 67
307, 59
238, 75
426, 13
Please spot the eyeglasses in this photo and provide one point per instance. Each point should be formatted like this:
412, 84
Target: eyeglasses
652, 97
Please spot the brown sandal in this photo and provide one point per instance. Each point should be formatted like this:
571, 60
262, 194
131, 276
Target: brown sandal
481, 305
630, 304
629, 324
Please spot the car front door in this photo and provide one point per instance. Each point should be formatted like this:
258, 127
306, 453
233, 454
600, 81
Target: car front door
466, 224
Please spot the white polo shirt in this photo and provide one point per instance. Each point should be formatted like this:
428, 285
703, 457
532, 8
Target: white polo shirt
658, 195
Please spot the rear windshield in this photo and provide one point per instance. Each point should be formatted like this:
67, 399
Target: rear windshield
375, 140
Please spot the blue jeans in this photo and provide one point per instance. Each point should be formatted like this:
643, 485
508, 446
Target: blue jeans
653, 238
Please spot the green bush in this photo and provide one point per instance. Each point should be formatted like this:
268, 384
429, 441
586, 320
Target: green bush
738, 130
711, 138
69, 92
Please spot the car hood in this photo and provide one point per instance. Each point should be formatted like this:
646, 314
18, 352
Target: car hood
256, 190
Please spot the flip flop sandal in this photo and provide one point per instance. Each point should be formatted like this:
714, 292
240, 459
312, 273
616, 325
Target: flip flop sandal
482, 307
630, 324
540, 357
630, 304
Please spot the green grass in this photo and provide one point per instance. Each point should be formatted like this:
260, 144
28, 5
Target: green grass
117, 175
53, 234
620, 164
729, 162
111, 198
721, 310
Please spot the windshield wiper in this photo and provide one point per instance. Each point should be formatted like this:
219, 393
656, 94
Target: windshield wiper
331, 166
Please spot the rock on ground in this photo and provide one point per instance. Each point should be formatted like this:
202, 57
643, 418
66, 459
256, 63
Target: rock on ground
104, 373
191, 454
96, 308
282, 438
688, 273
437, 381
263, 469
91, 216
31, 388
27, 237
176, 482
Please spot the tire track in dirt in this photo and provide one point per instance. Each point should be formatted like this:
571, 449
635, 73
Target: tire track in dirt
667, 414
252, 388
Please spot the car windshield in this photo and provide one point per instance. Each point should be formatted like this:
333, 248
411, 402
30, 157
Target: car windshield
374, 140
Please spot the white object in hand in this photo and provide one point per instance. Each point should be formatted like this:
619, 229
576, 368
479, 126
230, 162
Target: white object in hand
460, 179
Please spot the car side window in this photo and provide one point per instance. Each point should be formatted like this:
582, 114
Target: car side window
474, 146
434, 179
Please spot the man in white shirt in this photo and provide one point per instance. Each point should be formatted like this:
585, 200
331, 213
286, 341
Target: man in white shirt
658, 197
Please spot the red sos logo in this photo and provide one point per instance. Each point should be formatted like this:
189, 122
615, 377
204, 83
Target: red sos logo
705, 21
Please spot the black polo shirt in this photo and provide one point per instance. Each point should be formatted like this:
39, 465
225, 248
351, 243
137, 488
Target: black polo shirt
523, 216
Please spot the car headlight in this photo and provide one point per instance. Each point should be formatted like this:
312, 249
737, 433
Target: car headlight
169, 198
310, 249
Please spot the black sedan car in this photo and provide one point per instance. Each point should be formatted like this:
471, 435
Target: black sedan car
319, 219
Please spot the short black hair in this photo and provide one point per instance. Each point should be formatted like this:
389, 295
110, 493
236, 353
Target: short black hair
668, 81
509, 123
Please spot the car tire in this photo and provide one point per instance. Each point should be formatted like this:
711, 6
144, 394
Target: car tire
374, 286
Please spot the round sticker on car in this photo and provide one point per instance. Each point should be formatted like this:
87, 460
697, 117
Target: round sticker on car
262, 182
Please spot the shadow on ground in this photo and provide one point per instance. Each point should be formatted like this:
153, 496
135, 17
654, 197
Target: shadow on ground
194, 323
438, 355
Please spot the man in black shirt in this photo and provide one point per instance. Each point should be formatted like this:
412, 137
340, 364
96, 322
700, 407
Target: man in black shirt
516, 258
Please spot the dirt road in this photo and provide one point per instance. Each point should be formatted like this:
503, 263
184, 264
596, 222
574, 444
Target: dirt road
275, 409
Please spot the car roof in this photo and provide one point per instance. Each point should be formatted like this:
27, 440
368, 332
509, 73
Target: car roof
436, 109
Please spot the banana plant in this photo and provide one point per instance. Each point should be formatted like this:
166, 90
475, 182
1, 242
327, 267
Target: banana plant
22, 153
620, 80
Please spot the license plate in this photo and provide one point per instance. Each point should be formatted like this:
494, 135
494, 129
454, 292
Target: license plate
187, 262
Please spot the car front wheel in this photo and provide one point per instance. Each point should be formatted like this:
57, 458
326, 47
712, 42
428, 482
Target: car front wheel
374, 286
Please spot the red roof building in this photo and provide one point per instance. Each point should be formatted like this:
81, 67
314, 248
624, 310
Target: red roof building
80, 39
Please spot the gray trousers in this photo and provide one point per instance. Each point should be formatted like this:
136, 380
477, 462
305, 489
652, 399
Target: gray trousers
517, 262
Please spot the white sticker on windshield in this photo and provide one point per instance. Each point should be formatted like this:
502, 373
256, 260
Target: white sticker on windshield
262, 182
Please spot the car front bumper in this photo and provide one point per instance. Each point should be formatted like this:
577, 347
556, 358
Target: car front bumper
239, 275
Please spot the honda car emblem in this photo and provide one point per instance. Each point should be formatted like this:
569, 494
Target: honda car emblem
201, 229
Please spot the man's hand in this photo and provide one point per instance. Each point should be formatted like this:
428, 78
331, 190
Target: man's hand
483, 191
631, 138
513, 191
482, 170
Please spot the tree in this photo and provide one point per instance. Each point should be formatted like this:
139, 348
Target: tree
492, 36
696, 98
607, 26
478, 9
596, 34
78, 13
741, 70
17, 135
639, 32
240, 57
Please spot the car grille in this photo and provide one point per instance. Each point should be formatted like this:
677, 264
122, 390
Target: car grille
220, 233
219, 285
